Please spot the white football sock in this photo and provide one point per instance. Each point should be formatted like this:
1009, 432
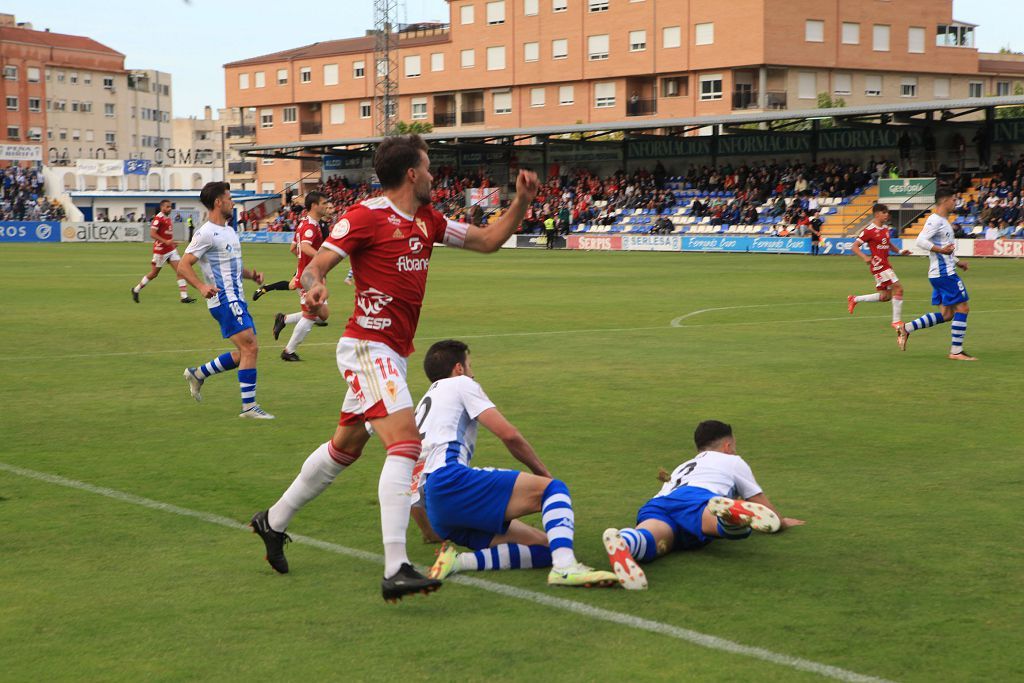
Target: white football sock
302, 328
316, 475
183, 288
867, 297
292, 318
142, 283
897, 309
393, 493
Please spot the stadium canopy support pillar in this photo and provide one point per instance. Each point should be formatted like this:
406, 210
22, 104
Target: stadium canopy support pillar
715, 132
815, 139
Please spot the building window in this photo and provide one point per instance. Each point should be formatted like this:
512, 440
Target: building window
35, 134
851, 33
63, 135
90, 136
289, 115
566, 94
814, 31
358, 69
559, 5
412, 66
87, 107
12, 104
675, 86
110, 137
383, 67
365, 110
908, 87
108, 81
537, 97
266, 118
531, 52
267, 188
73, 78
306, 74
11, 73
842, 84
705, 33
941, 88
598, 5
419, 108
637, 41
873, 86
437, 61
880, 40
604, 95
975, 89
87, 78
466, 14
496, 58
954, 35
560, 48
108, 110
502, 102
243, 81
496, 13
671, 36
13, 133
1002, 89
711, 87
337, 113
530, 7
61, 77
260, 79
49, 76
35, 104
468, 59
76, 135
75, 105
915, 40
597, 47
32, 74
282, 76
807, 85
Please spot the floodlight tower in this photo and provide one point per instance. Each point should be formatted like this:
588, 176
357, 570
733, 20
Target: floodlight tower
385, 70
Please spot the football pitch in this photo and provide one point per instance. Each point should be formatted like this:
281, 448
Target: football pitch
123, 501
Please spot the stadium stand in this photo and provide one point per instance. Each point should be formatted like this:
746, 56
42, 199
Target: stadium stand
24, 198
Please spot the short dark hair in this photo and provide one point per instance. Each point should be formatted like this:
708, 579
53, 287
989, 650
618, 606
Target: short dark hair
442, 358
211, 191
395, 156
943, 193
312, 198
710, 431
879, 208
165, 201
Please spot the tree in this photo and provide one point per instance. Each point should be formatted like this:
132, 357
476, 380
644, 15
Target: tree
1012, 112
417, 127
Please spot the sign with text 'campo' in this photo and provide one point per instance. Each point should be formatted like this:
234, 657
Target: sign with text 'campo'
907, 191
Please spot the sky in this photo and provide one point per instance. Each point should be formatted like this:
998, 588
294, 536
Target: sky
193, 39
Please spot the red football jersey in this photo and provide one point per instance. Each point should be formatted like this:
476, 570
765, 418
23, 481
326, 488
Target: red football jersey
165, 229
390, 252
878, 243
308, 232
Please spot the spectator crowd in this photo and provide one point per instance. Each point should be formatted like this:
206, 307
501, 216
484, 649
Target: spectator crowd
23, 197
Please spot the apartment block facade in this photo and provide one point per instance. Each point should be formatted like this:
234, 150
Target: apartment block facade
521, 63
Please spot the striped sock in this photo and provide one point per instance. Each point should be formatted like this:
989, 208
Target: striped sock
733, 532
640, 543
959, 330
926, 320
247, 383
505, 556
142, 283
183, 289
221, 363
559, 523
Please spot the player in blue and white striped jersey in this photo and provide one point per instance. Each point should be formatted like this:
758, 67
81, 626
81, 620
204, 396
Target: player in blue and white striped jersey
216, 248
948, 289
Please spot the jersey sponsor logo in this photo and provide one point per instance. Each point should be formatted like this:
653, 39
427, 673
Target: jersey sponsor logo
368, 323
340, 229
372, 301
407, 264
422, 226
415, 245
394, 220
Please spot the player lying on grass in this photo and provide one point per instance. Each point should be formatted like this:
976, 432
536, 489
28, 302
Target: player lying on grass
714, 495
479, 508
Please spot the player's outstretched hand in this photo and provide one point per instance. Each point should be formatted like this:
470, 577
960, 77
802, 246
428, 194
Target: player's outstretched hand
316, 296
962, 264
789, 521
527, 185
208, 291
257, 277
906, 252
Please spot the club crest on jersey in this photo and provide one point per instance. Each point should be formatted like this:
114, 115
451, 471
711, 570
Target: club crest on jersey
340, 229
372, 301
392, 389
422, 226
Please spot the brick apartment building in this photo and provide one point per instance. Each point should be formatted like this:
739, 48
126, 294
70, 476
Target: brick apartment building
524, 63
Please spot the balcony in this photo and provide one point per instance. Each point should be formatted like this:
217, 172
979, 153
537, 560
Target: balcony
749, 99
310, 128
641, 107
241, 131
241, 167
442, 120
775, 99
472, 116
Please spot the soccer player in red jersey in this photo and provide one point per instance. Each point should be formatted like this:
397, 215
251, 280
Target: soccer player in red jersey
389, 240
308, 238
876, 236
164, 251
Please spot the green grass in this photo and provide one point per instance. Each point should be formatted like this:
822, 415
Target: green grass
906, 467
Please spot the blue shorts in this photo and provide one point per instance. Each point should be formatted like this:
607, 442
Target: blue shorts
467, 505
948, 290
233, 317
683, 510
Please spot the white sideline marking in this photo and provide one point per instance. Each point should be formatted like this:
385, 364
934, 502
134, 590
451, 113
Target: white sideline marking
690, 636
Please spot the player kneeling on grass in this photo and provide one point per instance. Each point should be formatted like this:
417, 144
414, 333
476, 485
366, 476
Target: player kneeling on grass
479, 508
714, 495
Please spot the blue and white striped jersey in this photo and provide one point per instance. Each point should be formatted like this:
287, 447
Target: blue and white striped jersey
219, 253
938, 232
447, 416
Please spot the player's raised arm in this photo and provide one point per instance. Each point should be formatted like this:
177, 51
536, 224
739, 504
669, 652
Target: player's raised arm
515, 442
489, 239
787, 522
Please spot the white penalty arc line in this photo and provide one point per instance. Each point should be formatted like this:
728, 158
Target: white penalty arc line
597, 613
